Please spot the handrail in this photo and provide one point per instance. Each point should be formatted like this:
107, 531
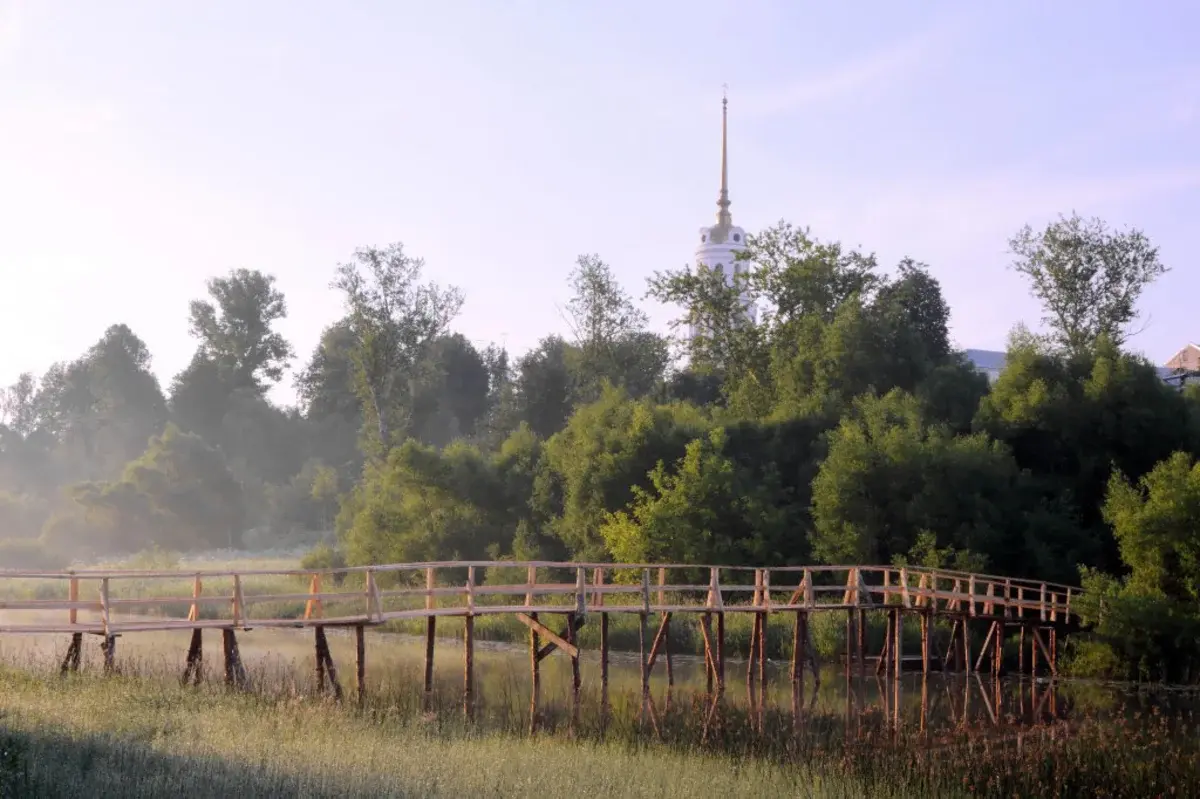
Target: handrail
366, 602
95, 574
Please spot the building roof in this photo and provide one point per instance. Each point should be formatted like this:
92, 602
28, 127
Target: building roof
993, 361
988, 360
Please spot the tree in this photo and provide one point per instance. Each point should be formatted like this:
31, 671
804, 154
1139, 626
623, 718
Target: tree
235, 333
545, 387
610, 335
1155, 523
451, 399
890, 477
179, 493
326, 385
710, 509
1087, 277
797, 276
393, 319
1070, 421
713, 328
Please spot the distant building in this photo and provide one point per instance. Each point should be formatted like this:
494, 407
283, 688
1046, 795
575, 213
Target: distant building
1186, 360
991, 363
720, 243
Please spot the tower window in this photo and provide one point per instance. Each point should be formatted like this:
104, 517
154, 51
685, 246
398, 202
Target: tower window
703, 238
737, 236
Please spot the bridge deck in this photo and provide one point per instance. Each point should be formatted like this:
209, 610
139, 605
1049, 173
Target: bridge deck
125, 601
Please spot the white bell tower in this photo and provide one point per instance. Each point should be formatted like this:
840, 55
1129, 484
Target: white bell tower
720, 243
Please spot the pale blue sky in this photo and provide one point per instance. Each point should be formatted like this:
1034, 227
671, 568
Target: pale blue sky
145, 146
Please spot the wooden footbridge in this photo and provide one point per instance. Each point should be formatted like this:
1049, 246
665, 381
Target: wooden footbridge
109, 604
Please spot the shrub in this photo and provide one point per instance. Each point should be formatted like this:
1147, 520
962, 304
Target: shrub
323, 557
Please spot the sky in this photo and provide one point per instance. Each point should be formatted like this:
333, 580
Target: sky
147, 146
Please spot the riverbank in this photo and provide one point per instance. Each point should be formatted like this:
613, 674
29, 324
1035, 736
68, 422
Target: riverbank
142, 734
138, 737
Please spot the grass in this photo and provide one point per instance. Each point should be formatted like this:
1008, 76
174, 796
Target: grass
141, 734
138, 737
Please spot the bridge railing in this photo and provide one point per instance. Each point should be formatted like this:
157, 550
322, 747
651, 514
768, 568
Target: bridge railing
121, 601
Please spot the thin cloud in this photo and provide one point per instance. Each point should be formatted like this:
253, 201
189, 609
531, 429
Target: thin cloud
869, 71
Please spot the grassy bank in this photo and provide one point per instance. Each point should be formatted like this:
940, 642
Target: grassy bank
147, 736
140, 737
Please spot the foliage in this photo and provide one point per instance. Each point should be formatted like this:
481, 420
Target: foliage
178, 493
1088, 277
393, 319
891, 479
234, 328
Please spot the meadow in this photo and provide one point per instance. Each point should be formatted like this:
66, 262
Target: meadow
140, 733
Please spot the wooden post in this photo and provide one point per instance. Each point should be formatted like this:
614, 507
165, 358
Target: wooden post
1053, 651
604, 661
104, 611
666, 643
898, 653
966, 641
360, 664
573, 639
325, 665
194, 668
430, 638
849, 644
319, 658
645, 670
469, 648
469, 667
861, 644
799, 642
235, 672
998, 649
70, 661
926, 620
535, 673
721, 652
883, 665
197, 589
73, 595
643, 654
109, 647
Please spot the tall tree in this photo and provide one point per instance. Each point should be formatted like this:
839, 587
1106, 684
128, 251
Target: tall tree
610, 334
796, 275
235, 332
1087, 277
393, 318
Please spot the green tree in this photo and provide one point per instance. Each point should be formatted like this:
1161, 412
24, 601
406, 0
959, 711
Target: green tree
178, 494
606, 449
235, 328
1087, 277
709, 509
1070, 421
890, 477
394, 318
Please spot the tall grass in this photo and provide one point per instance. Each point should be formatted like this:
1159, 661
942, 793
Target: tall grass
141, 734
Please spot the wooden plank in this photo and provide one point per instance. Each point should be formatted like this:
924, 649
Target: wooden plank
545, 632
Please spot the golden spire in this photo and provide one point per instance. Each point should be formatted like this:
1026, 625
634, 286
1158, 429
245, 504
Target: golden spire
724, 220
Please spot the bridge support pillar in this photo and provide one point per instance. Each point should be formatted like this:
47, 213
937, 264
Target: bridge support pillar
193, 670
70, 661
235, 672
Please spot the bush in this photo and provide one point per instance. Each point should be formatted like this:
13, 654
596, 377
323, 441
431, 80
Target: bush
28, 553
323, 557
